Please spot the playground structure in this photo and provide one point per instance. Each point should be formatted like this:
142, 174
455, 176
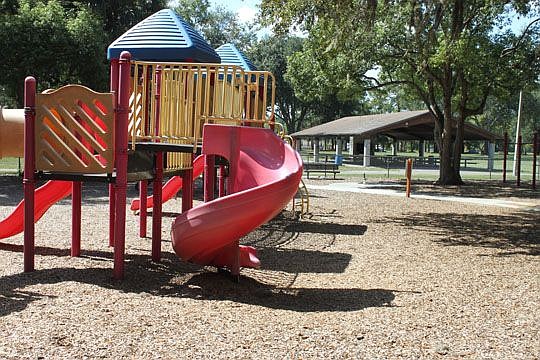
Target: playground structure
158, 116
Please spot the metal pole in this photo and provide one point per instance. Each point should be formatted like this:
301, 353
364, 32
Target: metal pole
187, 188
76, 202
112, 189
518, 134
158, 179
535, 152
209, 177
505, 155
122, 114
518, 161
29, 169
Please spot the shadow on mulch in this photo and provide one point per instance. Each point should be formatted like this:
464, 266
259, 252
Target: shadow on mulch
477, 189
172, 278
514, 234
269, 287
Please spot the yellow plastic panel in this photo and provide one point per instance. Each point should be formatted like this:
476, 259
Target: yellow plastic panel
75, 131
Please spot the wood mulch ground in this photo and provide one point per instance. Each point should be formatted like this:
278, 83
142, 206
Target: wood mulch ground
364, 277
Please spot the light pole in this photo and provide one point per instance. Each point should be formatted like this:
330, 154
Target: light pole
518, 133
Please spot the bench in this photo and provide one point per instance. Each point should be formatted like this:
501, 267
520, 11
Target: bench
321, 168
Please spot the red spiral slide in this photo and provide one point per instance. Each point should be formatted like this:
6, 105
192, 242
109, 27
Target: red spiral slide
264, 175
45, 197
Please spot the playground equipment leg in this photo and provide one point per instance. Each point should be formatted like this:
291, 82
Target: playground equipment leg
157, 209
29, 168
112, 191
143, 192
112, 210
221, 191
235, 266
76, 203
209, 177
121, 165
187, 188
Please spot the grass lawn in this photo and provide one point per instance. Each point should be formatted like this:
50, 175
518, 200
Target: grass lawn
10, 165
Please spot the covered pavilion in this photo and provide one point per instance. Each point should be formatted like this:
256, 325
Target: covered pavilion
405, 125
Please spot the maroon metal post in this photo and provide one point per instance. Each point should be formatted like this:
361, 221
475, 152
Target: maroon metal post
221, 185
143, 213
76, 204
505, 155
143, 184
518, 160
535, 153
187, 188
209, 177
112, 192
158, 179
121, 164
29, 182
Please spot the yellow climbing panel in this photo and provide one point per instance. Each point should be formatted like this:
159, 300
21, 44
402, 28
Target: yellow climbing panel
74, 131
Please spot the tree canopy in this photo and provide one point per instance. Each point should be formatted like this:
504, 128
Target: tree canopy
450, 55
218, 25
61, 42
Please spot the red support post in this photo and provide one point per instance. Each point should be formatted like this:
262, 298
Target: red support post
112, 192
143, 213
535, 154
29, 182
187, 188
221, 188
76, 204
505, 155
518, 160
209, 177
143, 185
122, 113
158, 179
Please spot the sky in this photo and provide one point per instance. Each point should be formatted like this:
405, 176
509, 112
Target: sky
245, 9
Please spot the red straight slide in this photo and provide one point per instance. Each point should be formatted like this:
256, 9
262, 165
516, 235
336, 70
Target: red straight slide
264, 175
171, 187
45, 197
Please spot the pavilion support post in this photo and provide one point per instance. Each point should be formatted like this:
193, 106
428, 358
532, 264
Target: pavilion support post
367, 152
491, 156
298, 144
421, 148
394, 147
339, 153
316, 149
351, 146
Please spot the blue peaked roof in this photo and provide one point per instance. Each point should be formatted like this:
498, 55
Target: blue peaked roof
230, 54
163, 36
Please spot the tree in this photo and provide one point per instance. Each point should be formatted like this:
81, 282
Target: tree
500, 114
450, 55
119, 15
218, 25
277, 55
43, 40
61, 41
271, 54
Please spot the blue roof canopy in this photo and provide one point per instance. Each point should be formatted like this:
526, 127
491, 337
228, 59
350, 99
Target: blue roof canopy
230, 54
163, 36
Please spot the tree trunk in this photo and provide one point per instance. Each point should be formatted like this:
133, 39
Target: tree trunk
449, 157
